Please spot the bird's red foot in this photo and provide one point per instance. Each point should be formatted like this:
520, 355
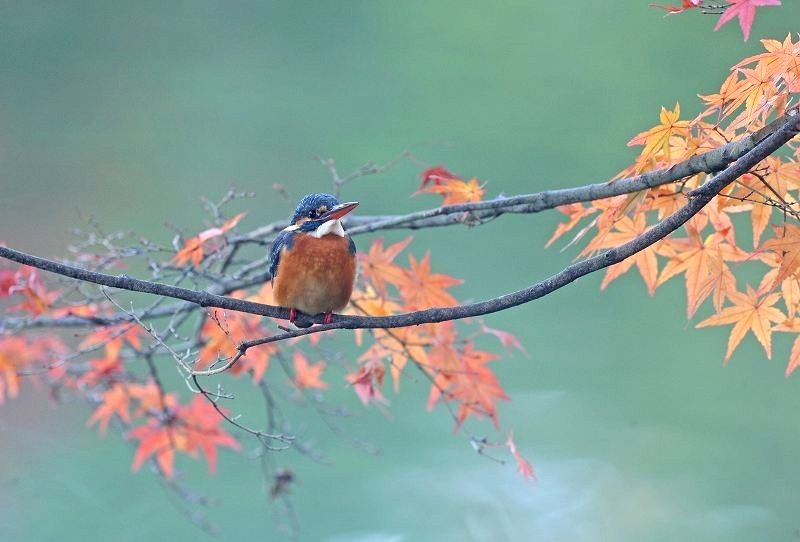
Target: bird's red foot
292, 315
328, 318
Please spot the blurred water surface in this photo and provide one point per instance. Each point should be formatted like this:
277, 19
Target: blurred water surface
129, 112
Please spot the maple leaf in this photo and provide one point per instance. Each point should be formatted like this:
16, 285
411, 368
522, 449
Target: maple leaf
786, 245
152, 401
794, 357
194, 249
781, 58
523, 465
398, 347
745, 10
455, 191
190, 429
105, 369
307, 375
38, 299
703, 263
626, 229
506, 339
686, 4
114, 402
221, 333
476, 387
13, 356
422, 289
202, 427
749, 312
114, 338
367, 382
460, 374
657, 139
792, 326
435, 175
156, 440
757, 88
575, 212
730, 95
7, 280
378, 267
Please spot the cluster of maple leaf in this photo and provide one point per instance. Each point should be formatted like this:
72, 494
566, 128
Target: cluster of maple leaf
106, 366
713, 249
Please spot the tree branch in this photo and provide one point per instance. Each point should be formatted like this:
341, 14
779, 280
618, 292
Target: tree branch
708, 162
786, 129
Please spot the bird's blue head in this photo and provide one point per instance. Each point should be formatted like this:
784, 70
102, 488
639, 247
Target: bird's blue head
315, 209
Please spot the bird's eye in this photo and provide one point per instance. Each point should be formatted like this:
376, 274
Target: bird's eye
313, 214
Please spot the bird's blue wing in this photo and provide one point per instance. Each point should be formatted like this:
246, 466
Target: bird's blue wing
352, 245
284, 239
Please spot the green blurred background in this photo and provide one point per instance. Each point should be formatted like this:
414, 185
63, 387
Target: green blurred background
131, 111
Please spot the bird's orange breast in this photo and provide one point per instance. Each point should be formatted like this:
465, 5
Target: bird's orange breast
315, 275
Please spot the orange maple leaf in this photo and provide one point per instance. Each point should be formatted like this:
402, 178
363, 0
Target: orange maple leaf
194, 249
38, 299
421, 289
13, 357
791, 326
456, 191
786, 245
575, 212
729, 98
307, 375
114, 402
152, 401
105, 369
758, 88
626, 229
190, 429
114, 338
202, 427
703, 264
781, 58
159, 441
377, 265
749, 312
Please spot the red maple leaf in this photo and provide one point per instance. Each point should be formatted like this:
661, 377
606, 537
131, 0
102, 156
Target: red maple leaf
523, 465
7, 280
367, 382
745, 10
435, 175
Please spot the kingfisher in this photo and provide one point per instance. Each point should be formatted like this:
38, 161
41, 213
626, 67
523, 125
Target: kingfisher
313, 260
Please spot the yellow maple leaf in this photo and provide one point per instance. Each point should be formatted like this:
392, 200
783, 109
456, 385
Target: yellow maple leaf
656, 139
749, 312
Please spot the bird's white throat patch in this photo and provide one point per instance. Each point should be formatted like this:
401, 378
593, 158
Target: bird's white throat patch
331, 226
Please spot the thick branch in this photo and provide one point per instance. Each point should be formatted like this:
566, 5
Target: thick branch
698, 198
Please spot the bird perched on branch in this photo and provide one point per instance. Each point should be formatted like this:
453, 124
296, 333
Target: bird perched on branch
313, 260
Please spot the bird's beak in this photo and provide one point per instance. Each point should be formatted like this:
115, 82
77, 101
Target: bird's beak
339, 211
